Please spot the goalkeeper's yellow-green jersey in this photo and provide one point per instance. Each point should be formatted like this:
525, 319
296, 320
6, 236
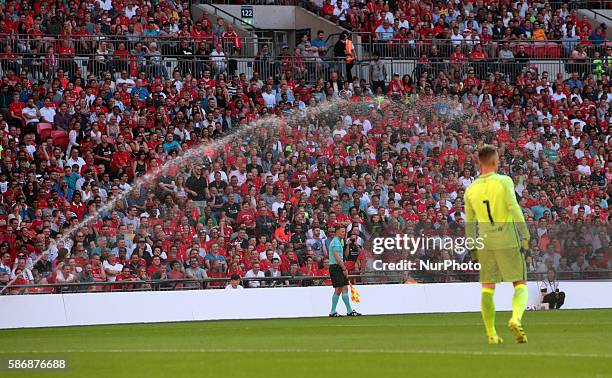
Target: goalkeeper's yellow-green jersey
493, 213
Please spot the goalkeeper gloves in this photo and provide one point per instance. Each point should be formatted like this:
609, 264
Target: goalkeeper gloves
525, 245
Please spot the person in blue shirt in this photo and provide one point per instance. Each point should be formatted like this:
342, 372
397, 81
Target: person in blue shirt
539, 209
320, 43
339, 274
574, 81
140, 91
598, 36
170, 144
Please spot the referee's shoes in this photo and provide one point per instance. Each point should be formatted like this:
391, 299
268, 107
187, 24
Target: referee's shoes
336, 315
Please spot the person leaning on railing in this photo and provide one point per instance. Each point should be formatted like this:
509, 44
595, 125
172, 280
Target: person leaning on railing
294, 271
65, 276
274, 271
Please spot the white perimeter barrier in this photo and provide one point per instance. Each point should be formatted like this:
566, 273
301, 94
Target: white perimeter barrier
49, 310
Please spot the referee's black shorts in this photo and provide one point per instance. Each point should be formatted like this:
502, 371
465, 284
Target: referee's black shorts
337, 276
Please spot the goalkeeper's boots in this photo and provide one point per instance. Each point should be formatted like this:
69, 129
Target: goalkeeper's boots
495, 339
335, 315
517, 331
353, 313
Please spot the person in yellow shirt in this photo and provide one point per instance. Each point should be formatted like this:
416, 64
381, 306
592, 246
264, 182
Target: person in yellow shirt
493, 214
538, 32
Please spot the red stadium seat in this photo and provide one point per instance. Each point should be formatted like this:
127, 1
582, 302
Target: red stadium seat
554, 51
540, 52
43, 126
60, 138
44, 130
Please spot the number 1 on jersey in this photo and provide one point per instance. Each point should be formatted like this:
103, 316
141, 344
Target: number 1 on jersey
486, 202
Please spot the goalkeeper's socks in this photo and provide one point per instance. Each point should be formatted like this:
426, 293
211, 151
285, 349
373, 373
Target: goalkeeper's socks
487, 308
519, 302
347, 302
335, 299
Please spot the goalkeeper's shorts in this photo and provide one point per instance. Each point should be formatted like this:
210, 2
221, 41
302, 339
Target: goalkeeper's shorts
502, 265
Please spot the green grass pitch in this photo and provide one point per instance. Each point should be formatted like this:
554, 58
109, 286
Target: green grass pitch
562, 343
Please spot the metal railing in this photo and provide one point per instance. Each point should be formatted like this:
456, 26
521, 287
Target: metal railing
19, 44
40, 68
541, 50
43, 68
510, 70
171, 284
572, 4
245, 47
597, 14
297, 68
364, 278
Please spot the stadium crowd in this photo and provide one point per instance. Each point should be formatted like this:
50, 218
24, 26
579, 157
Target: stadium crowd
410, 28
385, 155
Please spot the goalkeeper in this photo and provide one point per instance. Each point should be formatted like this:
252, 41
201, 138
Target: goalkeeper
493, 214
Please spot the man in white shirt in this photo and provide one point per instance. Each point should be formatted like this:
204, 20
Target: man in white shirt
75, 159
457, 37
64, 275
125, 79
130, 9
365, 124
254, 273
558, 95
545, 87
106, 5
112, 268
279, 203
340, 10
269, 97
30, 113
535, 147
217, 170
403, 23
234, 283
217, 56
47, 112
22, 266
582, 204
339, 130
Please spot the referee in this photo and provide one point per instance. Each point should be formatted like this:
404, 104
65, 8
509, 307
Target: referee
339, 274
